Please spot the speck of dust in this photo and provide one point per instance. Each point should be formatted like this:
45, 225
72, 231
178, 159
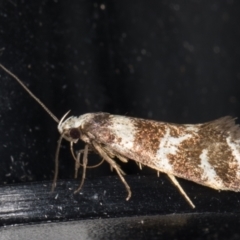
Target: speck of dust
95, 196
102, 6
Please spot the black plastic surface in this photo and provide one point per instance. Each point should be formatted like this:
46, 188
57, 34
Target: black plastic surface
105, 197
197, 226
175, 61
155, 210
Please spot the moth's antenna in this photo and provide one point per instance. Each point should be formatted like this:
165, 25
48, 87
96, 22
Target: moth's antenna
30, 93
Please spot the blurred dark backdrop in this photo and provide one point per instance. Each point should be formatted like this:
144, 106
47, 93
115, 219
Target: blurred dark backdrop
175, 61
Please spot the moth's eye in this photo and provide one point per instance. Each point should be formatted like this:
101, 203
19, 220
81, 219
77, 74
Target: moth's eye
74, 133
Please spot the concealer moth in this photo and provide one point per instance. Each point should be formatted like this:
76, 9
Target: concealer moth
206, 153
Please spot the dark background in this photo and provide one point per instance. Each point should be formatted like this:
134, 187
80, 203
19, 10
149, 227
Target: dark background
175, 61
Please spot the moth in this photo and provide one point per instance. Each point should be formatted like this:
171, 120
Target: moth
207, 153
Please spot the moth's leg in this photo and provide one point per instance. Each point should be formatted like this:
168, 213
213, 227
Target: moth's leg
115, 166
176, 183
85, 160
140, 166
121, 158
76, 158
97, 165
77, 162
72, 152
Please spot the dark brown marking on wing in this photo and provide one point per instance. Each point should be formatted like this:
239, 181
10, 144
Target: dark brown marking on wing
220, 154
212, 137
148, 135
186, 160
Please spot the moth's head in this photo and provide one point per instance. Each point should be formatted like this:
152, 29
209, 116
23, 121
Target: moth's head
72, 127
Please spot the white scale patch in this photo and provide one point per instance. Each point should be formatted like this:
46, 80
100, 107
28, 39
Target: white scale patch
192, 128
234, 146
209, 175
169, 145
123, 128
